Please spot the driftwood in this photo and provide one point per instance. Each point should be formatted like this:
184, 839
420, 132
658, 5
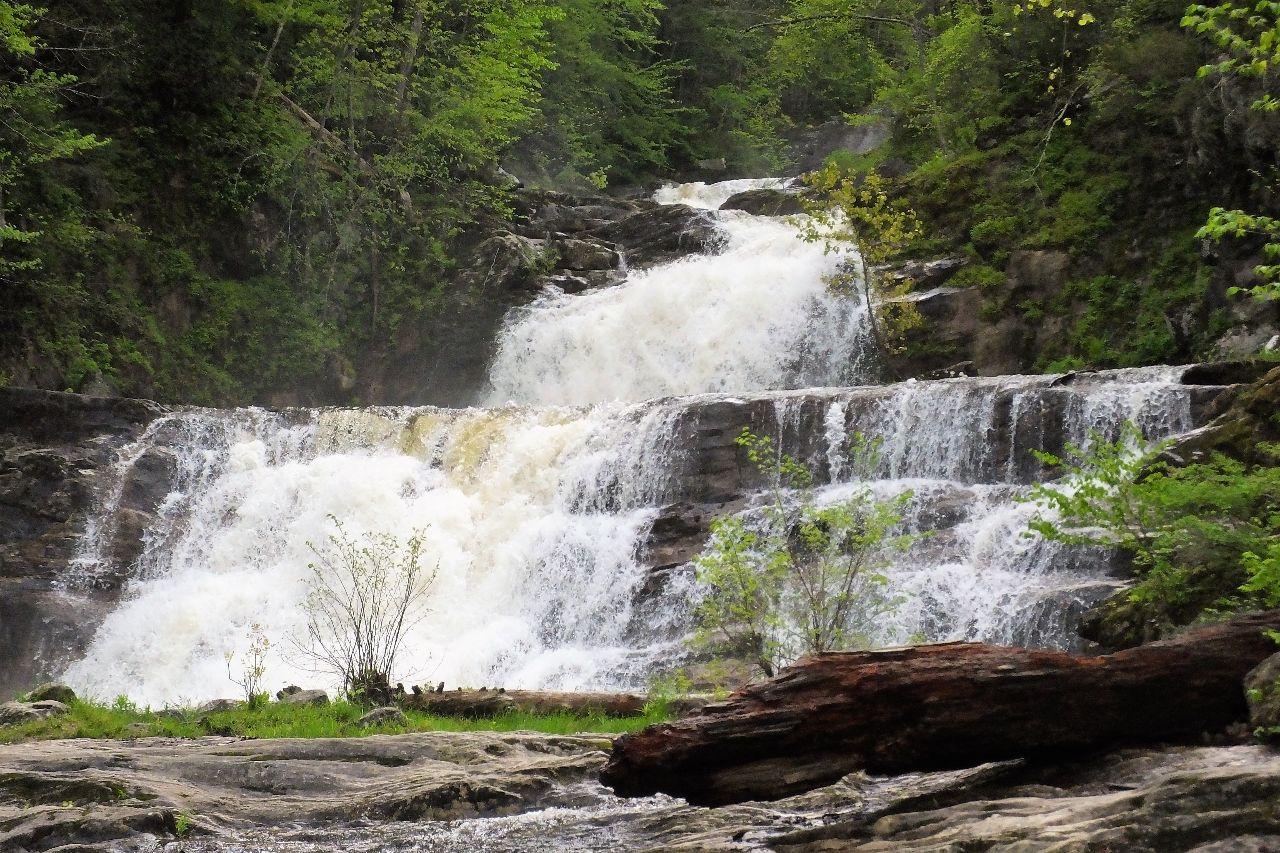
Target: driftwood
941, 707
491, 703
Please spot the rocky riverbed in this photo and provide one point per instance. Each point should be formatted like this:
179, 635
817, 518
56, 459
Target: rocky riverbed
447, 793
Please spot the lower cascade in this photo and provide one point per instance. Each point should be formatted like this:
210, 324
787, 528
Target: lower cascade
538, 515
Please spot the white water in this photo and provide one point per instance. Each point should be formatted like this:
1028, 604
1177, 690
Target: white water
756, 316
535, 516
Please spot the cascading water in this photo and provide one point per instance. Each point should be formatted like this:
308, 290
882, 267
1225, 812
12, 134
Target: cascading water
754, 317
536, 516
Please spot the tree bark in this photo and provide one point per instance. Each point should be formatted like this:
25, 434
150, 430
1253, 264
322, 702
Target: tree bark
941, 707
491, 703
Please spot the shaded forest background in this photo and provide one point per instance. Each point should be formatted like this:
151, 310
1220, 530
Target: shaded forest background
210, 201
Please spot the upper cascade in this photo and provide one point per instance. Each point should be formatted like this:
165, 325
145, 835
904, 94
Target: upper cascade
756, 316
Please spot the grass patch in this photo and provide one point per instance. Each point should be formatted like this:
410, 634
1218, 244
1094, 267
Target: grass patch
338, 719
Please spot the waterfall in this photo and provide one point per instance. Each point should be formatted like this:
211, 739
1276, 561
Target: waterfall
536, 515
756, 316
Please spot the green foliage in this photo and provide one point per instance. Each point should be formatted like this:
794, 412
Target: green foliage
277, 720
1249, 34
802, 578
1196, 533
249, 680
363, 595
856, 211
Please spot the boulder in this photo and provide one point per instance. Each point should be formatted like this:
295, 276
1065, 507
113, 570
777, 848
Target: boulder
1262, 689
926, 275
662, 234
306, 697
941, 707
766, 202
1239, 372
383, 716
52, 690
17, 713
217, 706
579, 255
287, 691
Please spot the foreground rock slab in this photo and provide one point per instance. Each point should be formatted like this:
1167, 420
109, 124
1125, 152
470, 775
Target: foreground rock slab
1175, 800
119, 793
941, 707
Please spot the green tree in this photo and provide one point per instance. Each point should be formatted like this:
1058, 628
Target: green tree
32, 133
856, 212
1194, 532
804, 577
364, 595
1249, 35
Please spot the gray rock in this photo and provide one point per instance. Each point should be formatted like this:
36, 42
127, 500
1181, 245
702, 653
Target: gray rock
1262, 689
287, 691
88, 791
55, 449
17, 713
662, 234
306, 697
811, 146
575, 254
766, 202
382, 716
215, 706
52, 690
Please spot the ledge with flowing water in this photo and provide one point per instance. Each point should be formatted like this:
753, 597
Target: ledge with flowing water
541, 520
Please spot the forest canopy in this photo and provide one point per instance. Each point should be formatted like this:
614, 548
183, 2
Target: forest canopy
205, 201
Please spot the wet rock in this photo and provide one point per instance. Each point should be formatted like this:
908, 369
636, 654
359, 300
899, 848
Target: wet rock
836, 713
55, 454
1240, 372
306, 697
149, 480
952, 371
83, 792
662, 234
766, 202
52, 690
540, 213
952, 319
1262, 688
17, 713
1242, 423
383, 716
679, 533
1179, 801
503, 262
574, 254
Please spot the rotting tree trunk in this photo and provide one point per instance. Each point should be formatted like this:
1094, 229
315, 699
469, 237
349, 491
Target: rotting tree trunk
940, 707
491, 703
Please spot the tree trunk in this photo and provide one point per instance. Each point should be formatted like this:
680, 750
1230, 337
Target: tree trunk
941, 707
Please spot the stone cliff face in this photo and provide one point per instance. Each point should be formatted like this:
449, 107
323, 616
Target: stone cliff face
55, 455
575, 243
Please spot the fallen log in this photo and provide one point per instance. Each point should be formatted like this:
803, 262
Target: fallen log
492, 703
940, 707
